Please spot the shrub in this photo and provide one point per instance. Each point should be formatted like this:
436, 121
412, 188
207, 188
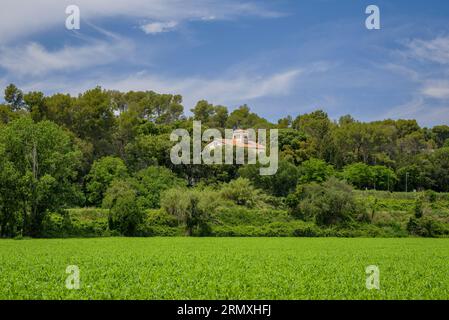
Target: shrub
431, 196
101, 175
242, 192
359, 175
419, 208
315, 170
151, 182
329, 203
280, 184
125, 215
238, 215
191, 207
426, 227
76, 223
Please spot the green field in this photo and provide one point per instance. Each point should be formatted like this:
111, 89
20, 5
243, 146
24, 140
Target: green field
224, 268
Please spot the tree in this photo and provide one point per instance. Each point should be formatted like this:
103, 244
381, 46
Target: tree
203, 111
59, 109
14, 97
439, 169
101, 175
35, 102
315, 170
441, 134
364, 142
189, 207
293, 146
219, 117
125, 215
406, 127
44, 161
412, 177
317, 126
6, 114
243, 118
128, 125
359, 175
148, 150
279, 184
151, 182
93, 120
241, 192
383, 178
446, 143
332, 202
159, 108
412, 144
285, 123
9, 203
210, 115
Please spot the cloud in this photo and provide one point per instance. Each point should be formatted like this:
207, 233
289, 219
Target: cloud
408, 110
237, 88
230, 90
427, 114
19, 18
437, 89
435, 50
34, 59
158, 27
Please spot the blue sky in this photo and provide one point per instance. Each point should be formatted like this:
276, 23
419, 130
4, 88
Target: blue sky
280, 57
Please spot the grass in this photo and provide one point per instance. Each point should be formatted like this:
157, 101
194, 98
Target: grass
224, 268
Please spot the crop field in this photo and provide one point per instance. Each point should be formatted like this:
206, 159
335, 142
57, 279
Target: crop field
224, 268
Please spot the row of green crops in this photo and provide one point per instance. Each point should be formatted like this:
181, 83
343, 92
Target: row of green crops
224, 268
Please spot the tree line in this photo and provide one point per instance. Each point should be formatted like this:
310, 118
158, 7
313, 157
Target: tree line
112, 149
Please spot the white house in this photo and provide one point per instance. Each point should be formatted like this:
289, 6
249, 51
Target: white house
240, 138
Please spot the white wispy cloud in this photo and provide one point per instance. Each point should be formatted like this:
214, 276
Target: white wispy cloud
437, 89
35, 60
19, 18
428, 89
434, 50
408, 110
159, 27
236, 88
419, 108
230, 90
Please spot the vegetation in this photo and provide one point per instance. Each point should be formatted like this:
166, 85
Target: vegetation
111, 150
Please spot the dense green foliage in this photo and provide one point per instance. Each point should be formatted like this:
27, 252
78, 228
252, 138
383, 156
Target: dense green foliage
225, 268
329, 203
112, 149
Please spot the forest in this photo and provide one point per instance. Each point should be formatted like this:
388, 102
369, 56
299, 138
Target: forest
98, 164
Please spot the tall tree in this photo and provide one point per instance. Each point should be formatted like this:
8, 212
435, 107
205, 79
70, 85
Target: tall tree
14, 97
46, 161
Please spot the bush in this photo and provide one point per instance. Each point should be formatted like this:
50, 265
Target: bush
363, 176
426, 227
238, 215
242, 192
315, 170
431, 196
419, 211
307, 230
329, 203
280, 184
125, 215
359, 175
151, 182
191, 207
101, 175
76, 223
